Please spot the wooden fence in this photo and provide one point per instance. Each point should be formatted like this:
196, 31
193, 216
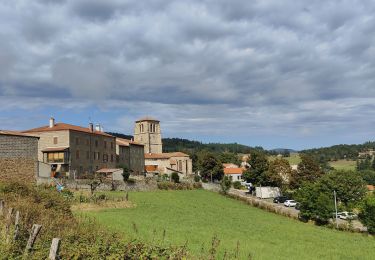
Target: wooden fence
11, 229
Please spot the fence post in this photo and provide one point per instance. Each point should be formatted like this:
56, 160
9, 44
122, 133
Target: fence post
16, 225
54, 251
8, 222
2, 205
34, 233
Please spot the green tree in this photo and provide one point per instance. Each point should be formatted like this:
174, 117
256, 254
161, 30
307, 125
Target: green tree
373, 164
279, 173
125, 173
308, 170
210, 166
257, 174
368, 176
225, 184
367, 214
228, 157
349, 186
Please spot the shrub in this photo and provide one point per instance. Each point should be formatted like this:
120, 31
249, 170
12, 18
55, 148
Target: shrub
367, 214
167, 185
131, 181
237, 185
197, 178
225, 184
175, 177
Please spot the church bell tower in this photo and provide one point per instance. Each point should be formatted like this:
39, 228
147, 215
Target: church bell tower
147, 132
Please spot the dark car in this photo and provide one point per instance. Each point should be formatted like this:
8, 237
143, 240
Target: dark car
280, 199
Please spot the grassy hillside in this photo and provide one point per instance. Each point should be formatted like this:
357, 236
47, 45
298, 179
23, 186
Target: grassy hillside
343, 165
196, 216
292, 159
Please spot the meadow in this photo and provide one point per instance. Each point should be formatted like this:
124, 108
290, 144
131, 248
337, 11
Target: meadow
343, 165
195, 217
293, 159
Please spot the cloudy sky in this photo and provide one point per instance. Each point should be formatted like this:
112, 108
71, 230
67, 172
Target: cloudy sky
274, 73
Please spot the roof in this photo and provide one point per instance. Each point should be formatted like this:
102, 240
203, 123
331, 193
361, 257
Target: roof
230, 165
16, 133
63, 126
164, 155
108, 170
55, 149
126, 142
371, 187
147, 118
233, 170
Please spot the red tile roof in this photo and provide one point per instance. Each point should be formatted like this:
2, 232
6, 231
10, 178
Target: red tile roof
16, 133
147, 118
164, 155
126, 142
63, 126
233, 170
371, 187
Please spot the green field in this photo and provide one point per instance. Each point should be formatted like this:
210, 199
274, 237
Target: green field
292, 159
343, 165
196, 216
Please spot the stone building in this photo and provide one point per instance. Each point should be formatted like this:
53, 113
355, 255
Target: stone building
131, 155
73, 151
147, 131
18, 156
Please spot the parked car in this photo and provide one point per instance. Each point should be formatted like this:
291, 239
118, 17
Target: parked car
290, 203
280, 199
346, 215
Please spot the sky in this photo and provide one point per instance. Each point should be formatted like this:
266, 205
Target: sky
273, 73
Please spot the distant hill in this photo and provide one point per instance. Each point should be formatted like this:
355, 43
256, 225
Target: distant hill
189, 146
341, 151
283, 150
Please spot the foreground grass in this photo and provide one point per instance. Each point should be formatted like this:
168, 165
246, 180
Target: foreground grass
196, 216
343, 165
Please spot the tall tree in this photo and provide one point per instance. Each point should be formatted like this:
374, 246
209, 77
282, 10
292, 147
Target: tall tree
257, 173
279, 173
210, 166
308, 170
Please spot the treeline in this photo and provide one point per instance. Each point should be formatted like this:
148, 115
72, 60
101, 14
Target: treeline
178, 144
338, 152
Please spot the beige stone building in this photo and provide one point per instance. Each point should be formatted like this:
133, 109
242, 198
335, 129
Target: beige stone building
18, 156
147, 131
131, 155
74, 151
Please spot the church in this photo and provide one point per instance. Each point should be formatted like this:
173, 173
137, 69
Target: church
147, 132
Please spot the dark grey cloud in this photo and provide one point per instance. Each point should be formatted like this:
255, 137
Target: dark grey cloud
279, 63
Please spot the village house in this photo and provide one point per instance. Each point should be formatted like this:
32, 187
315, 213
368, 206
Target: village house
73, 151
233, 171
18, 156
147, 131
131, 155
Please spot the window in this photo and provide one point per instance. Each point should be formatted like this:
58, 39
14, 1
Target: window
180, 166
77, 154
55, 157
96, 143
77, 141
55, 140
87, 142
105, 157
111, 157
87, 155
105, 144
111, 145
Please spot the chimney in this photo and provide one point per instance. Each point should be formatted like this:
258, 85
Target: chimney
97, 128
51, 122
91, 127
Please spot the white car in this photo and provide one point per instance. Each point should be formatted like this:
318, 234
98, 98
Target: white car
346, 215
290, 203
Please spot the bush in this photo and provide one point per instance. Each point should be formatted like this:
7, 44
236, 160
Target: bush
175, 177
225, 184
197, 178
167, 185
237, 185
131, 181
367, 214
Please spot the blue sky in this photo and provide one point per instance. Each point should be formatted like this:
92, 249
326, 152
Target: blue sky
271, 73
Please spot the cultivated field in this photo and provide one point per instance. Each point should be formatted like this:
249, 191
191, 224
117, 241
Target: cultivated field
197, 216
343, 165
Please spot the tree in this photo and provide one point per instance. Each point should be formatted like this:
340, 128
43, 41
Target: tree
175, 177
373, 164
349, 186
228, 157
367, 214
308, 170
257, 173
125, 173
225, 184
368, 176
279, 173
210, 166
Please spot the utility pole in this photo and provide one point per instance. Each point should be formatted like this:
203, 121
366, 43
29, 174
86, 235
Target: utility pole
334, 195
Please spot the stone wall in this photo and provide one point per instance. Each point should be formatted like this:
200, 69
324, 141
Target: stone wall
18, 157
